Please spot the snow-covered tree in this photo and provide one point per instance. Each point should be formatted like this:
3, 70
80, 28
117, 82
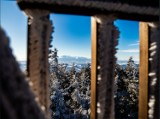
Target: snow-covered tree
70, 90
126, 95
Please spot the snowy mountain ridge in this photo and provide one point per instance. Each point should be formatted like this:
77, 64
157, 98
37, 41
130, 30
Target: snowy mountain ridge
83, 60
73, 59
80, 61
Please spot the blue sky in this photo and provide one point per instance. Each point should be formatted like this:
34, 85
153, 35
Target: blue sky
72, 34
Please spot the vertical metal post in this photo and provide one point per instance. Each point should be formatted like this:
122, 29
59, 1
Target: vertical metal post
94, 67
143, 76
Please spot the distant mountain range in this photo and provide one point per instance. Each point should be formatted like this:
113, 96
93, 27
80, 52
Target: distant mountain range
83, 60
77, 60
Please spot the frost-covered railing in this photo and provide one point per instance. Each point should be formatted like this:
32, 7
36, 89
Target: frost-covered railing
149, 71
104, 41
125, 9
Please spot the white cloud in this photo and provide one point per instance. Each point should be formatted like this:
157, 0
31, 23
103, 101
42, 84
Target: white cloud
130, 51
21, 57
134, 44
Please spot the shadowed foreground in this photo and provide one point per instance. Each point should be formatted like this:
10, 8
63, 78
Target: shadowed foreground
17, 101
